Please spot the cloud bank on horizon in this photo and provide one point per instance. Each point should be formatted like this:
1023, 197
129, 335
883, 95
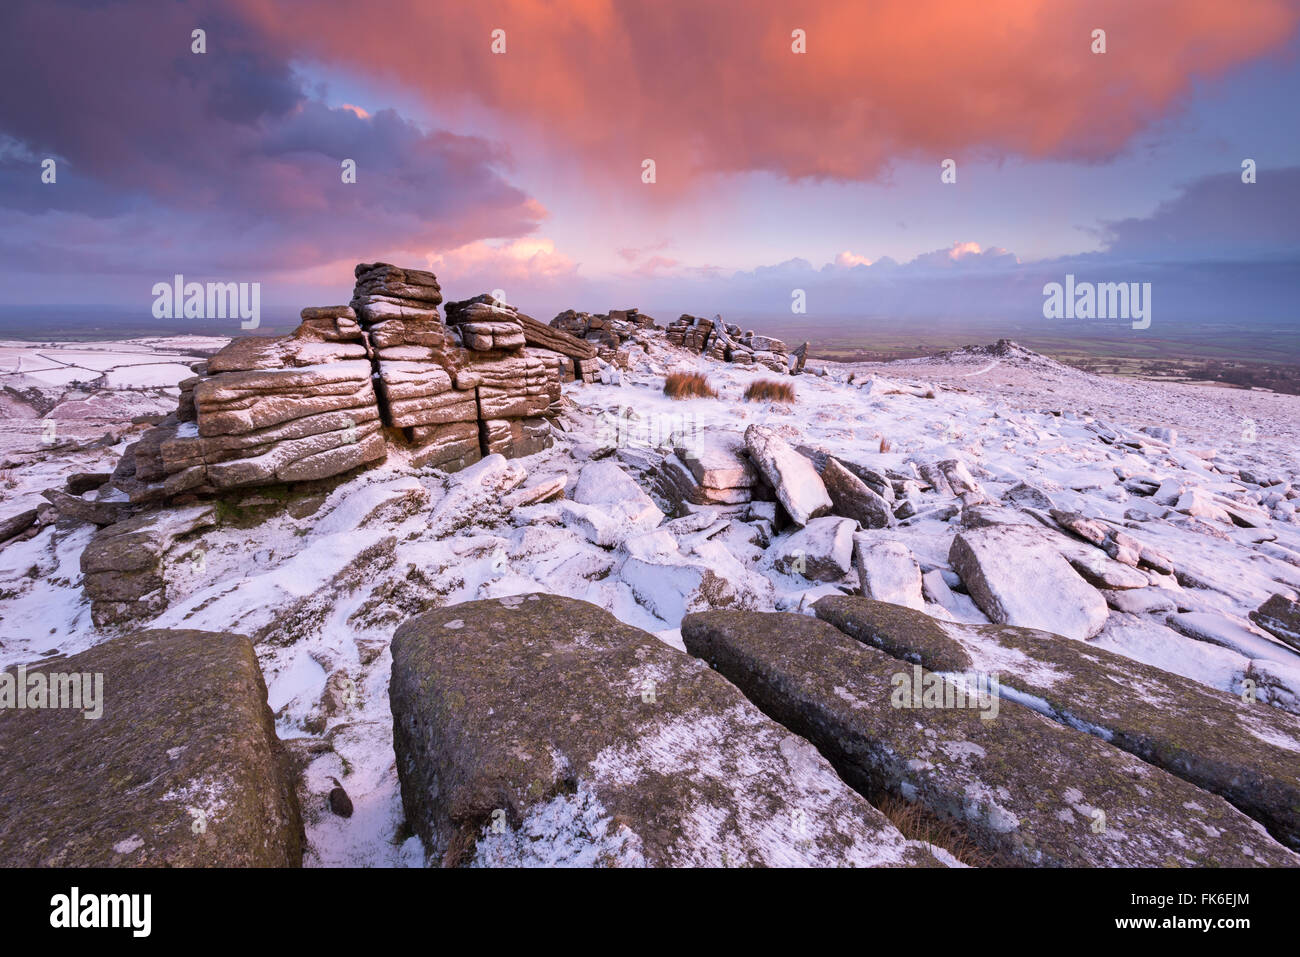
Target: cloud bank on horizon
775, 170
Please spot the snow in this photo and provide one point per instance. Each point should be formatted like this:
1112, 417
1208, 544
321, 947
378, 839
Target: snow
315, 591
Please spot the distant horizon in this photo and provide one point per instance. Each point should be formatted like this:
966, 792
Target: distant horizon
1275, 342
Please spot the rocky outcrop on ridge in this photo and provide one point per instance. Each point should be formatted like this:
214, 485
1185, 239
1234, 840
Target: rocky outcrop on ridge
728, 343
315, 404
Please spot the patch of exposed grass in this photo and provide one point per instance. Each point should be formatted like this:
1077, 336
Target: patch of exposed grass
769, 390
919, 824
688, 385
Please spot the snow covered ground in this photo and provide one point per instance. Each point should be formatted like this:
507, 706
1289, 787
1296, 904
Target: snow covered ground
322, 592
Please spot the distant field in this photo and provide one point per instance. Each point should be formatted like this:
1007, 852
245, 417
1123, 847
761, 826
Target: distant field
86, 323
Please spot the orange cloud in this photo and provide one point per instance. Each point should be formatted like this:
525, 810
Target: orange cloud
713, 87
525, 260
848, 259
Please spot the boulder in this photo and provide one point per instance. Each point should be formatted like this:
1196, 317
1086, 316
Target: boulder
1240, 749
821, 551
475, 491
1280, 617
1016, 581
603, 483
1023, 494
77, 509
182, 768
15, 525
853, 498
798, 486
887, 571
124, 565
671, 582
950, 745
623, 751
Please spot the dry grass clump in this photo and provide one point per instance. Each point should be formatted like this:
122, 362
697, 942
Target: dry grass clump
769, 390
688, 385
919, 824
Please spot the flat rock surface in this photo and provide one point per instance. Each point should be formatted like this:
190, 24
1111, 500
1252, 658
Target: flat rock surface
646, 755
1243, 750
1019, 582
183, 768
1079, 802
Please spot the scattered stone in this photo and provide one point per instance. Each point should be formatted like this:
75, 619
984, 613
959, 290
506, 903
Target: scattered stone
820, 551
1015, 581
79, 483
77, 509
798, 486
547, 491
1280, 617
852, 498
15, 525
887, 571
1023, 494
339, 801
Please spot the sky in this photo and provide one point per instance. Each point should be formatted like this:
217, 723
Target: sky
776, 172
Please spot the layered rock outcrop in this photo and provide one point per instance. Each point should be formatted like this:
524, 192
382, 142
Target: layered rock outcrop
315, 404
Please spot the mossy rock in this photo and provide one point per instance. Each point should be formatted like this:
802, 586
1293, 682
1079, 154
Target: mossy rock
183, 768
510, 713
1215, 740
1023, 787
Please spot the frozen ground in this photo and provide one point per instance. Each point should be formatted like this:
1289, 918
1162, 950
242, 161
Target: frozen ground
322, 594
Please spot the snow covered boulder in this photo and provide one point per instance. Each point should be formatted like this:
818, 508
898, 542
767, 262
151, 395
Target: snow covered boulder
1018, 581
853, 498
887, 571
604, 483
798, 486
894, 727
671, 583
821, 551
168, 759
608, 506
1280, 617
480, 487
623, 752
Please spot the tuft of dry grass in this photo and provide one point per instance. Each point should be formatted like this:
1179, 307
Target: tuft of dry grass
919, 824
688, 385
884, 445
769, 390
